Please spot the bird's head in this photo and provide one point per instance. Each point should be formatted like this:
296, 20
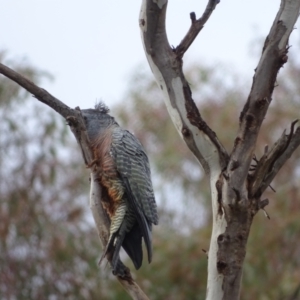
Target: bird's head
97, 120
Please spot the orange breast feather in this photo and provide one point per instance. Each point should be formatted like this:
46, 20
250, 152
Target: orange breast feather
108, 174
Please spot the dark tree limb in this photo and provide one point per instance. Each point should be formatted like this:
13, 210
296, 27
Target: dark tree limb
195, 28
273, 57
77, 124
39, 93
264, 170
292, 146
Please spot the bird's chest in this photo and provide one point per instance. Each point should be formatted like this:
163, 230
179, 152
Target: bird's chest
110, 181
108, 174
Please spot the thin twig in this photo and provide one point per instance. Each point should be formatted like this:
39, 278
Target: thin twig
39, 93
272, 188
164, 62
195, 28
293, 145
133, 289
266, 214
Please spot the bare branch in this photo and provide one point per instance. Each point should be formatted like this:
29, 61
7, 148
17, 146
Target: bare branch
99, 214
78, 127
265, 165
293, 145
273, 57
39, 93
167, 69
195, 28
263, 203
133, 289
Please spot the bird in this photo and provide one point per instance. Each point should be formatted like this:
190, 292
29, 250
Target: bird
125, 180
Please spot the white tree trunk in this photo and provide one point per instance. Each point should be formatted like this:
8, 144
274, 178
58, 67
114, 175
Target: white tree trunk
235, 191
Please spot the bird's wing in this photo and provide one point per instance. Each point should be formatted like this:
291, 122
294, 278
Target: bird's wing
133, 167
132, 164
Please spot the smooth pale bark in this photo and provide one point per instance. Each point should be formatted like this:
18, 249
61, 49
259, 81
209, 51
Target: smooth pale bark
235, 189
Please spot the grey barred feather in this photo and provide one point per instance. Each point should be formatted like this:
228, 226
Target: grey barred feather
117, 219
126, 180
132, 162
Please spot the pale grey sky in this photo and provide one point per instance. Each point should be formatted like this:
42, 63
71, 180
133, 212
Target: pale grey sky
91, 47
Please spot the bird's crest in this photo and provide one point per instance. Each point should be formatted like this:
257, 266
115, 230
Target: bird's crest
102, 107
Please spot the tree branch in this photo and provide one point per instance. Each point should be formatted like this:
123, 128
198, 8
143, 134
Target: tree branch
273, 57
292, 146
166, 66
133, 289
264, 170
39, 93
195, 28
167, 69
78, 127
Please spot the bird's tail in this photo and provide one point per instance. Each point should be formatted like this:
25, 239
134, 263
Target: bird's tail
132, 244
